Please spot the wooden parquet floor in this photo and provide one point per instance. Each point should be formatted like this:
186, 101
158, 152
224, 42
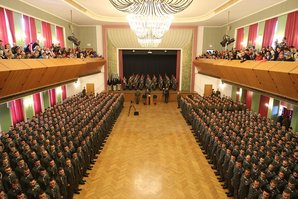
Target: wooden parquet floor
151, 156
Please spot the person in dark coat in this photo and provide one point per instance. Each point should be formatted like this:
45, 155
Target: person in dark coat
53, 190
237, 173
34, 189
62, 182
244, 184
254, 190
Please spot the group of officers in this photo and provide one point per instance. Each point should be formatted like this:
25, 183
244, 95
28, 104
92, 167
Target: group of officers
48, 156
254, 157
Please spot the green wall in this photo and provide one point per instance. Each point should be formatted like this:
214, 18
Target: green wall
45, 99
212, 36
294, 123
255, 102
87, 35
28, 108
17, 18
281, 26
112, 58
59, 98
269, 113
261, 28
5, 119
186, 67
233, 95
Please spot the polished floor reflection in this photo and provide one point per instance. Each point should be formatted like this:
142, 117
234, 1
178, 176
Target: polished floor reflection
151, 156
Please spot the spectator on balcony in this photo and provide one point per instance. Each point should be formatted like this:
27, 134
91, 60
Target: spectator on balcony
35, 44
1, 45
281, 56
259, 56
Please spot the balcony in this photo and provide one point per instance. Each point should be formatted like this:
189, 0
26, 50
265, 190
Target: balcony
18, 76
276, 78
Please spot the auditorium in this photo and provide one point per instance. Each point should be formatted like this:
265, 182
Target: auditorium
148, 99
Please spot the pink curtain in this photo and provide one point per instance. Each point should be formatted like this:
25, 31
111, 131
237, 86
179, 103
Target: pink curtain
33, 34
268, 36
60, 36
3, 29
27, 29
291, 32
252, 34
240, 36
52, 93
263, 106
47, 34
16, 110
64, 94
37, 103
9, 15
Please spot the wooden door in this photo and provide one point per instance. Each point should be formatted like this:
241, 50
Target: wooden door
207, 90
90, 88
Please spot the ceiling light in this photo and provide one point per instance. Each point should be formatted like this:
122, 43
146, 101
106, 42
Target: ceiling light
150, 19
148, 7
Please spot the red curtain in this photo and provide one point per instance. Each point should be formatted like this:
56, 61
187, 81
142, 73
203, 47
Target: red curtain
47, 34
291, 32
63, 92
60, 36
52, 93
269, 31
16, 110
248, 100
252, 34
3, 29
9, 15
37, 103
33, 34
240, 36
27, 29
263, 106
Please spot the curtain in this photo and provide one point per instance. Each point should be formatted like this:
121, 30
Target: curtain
52, 93
269, 31
27, 29
33, 34
63, 92
60, 36
47, 34
252, 34
240, 36
248, 100
263, 106
291, 32
3, 29
9, 15
17, 111
37, 103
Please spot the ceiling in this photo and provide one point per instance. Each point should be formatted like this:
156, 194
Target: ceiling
200, 12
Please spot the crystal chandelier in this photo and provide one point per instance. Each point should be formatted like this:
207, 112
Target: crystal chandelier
150, 19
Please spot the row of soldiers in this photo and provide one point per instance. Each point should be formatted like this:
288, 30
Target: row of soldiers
140, 82
48, 156
253, 156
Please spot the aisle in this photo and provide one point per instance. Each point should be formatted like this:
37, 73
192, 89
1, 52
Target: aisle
151, 156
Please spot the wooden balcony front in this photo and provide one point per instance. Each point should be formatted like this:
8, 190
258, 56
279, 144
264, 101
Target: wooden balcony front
276, 78
19, 76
